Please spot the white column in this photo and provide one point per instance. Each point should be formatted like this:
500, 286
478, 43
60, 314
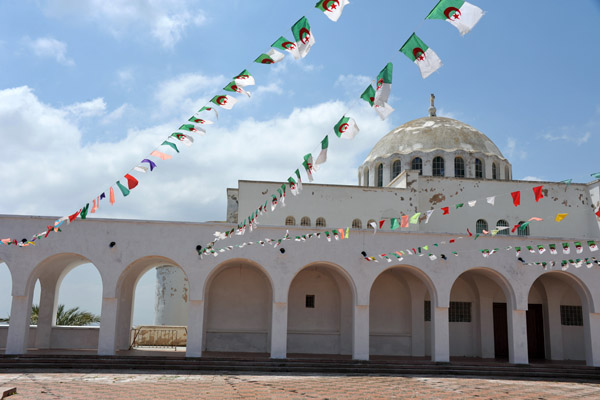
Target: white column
517, 337
440, 334
18, 330
107, 337
555, 329
195, 328
486, 325
360, 343
591, 328
417, 339
47, 312
279, 330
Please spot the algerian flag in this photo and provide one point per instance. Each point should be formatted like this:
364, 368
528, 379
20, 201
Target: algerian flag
225, 101
200, 121
552, 248
464, 16
384, 85
233, 87
303, 36
293, 186
244, 79
541, 249
273, 203
192, 128
332, 8
297, 172
271, 57
383, 111
185, 139
425, 58
206, 108
593, 246
323, 154
308, 166
566, 249
284, 44
578, 248
346, 128
369, 95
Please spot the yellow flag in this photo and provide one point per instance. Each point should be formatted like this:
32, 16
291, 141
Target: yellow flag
560, 217
347, 232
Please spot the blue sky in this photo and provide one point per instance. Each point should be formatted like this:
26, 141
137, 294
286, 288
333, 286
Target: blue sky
88, 88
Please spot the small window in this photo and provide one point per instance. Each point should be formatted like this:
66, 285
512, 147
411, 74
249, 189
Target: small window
427, 310
459, 167
459, 311
320, 222
417, 163
438, 166
356, 224
500, 224
370, 222
310, 301
506, 173
305, 221
481, 225
366, 177
494, 171
524, 231
380, 175
478, 168
290, 221
396, 169
571, 315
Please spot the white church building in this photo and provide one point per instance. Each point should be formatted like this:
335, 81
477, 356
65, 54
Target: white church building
424, 289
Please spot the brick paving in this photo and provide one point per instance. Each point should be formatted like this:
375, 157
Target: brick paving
125, 385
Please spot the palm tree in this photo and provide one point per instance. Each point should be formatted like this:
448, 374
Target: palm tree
70, 317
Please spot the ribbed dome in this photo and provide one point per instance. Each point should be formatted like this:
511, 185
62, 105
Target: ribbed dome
433, 133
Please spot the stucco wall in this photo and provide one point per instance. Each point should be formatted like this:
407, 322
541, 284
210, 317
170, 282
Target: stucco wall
62, 337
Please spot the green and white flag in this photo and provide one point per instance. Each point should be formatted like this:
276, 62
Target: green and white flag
346, 128
200, 121
183, 138
308, 166
299, 179
225, 101
323, 154
293, 186
233, 87
384, 85
332, 8
284, 44
271, 57
244, 79
303, 36
464, 16
425, 58
369, 96
192, 128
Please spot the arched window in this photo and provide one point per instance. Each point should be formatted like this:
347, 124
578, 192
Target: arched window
481, 225
320, 222
290, 221
366, 180
396, 169
356, 224
305, 221
417, 163
459, 167
380, 175
523, 232
438, 166
494, 171
500, 224
478, 168
369, 223
506, 173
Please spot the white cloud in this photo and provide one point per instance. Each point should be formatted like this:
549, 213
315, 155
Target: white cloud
165, 20
115, 115
569, 138
50, 48
448, 114
92, 108
532, 178
177, 92
512, 151
125, 75
353, 84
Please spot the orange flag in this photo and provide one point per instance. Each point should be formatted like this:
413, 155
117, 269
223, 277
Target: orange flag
112, 196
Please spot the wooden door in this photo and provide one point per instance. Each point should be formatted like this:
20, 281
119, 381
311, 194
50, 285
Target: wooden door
535, 332
500, 331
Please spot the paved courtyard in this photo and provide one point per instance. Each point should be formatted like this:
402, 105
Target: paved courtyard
150, 385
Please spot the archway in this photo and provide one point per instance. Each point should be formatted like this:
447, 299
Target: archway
320, 311
238, 307
399, 314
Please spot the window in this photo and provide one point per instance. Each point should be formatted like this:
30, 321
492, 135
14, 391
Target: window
320, 222
366, 177
459, 167
380, 175
481, 225
478, 168
571, 315
290, 221
524, 231
438, 166
427, 310
506, 173
494, 171
500, 224
369, 223
396, 169
417, 163
305, 221
310, 301
459, 311
357, 224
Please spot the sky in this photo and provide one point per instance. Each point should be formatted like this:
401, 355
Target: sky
88, 88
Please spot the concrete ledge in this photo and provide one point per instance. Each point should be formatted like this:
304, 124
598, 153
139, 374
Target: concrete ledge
6, 391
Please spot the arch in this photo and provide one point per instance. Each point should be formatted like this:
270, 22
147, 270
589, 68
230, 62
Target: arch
305, 221
290, 221
379, 178
523, 231
503, 224
481, 225
356, 223
438, 166
417, 163
494, 171
369, 222
459, 167
366, 175
479, 172
320, 222
396, 169
238, 296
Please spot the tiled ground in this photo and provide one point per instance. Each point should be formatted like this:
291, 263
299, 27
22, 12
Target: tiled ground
127, 385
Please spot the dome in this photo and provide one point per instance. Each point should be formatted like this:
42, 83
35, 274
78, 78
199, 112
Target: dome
433, 134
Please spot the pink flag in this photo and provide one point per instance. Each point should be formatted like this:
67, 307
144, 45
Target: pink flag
160, 155
404, 223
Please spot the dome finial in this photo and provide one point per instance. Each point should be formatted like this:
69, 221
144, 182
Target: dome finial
432, 109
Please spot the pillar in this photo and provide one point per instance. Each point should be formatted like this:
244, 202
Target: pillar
440, 335
554, 328
486, 327
47, 312
279, 330
195, 328
417, 321
170, 304
360, 343
517, 337
591, 327
18, 330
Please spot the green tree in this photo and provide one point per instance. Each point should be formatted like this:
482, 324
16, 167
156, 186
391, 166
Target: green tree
69, 317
